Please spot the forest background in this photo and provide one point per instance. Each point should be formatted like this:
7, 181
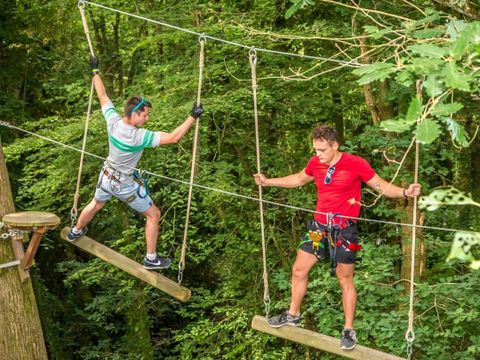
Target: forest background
412, 71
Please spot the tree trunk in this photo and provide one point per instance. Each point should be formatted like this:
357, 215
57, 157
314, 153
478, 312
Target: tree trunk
21, 336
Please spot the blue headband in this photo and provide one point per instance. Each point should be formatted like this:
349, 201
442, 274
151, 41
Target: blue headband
143, 102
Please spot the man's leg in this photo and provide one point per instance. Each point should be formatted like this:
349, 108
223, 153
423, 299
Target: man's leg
303, 264
86, 216
301, 268
88, 213
349, 294
151, 228
349, 299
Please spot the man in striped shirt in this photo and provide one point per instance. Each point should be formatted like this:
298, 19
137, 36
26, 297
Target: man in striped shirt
127, 140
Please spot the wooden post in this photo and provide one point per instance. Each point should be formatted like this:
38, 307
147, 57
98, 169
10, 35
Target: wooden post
19, 254
319, 341
128, 265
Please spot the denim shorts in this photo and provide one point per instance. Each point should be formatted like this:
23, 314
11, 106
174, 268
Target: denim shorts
127, 191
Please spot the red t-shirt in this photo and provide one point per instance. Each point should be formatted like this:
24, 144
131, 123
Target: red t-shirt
342, 196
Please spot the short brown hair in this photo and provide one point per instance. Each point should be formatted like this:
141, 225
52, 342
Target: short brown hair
135, 104
325, 133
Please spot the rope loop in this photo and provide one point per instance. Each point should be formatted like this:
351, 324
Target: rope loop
81, 4
181, 267
202, 38
253, 55
410, 338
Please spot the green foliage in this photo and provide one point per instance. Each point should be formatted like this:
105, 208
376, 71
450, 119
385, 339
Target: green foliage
99, 312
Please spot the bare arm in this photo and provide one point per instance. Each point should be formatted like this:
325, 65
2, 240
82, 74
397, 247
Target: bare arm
290, 181
393, 191
100, 89
175, 136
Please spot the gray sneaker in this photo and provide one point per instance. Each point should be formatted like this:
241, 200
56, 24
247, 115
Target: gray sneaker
284, 319
159, 262
349, 339
74, 235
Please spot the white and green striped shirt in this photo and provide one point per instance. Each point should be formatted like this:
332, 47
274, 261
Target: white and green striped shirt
126, 142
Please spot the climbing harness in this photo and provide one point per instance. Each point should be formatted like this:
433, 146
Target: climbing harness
325, 239
201, 63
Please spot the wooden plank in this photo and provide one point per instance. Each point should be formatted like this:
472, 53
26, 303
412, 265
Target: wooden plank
319, 341
133, 268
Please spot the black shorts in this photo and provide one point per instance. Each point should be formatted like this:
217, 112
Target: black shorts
340, 238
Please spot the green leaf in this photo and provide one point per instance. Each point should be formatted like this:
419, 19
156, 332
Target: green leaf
372, 72
442, 197
371, 29
466, 38
428, 50
422, 66
404, 78
397, 126
463, 243
454, 27
446, 109
294, 8
455, 79
415, 109
433, 86
459, 135
427, 33
427, 131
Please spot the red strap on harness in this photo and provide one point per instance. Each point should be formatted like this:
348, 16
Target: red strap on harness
350, 246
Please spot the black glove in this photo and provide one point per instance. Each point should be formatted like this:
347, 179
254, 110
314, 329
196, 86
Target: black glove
94, 64
197, 110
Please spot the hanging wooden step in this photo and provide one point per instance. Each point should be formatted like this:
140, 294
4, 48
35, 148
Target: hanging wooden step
319, 341
133, 268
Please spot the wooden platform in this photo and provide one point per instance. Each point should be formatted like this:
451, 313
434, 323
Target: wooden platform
37, 222
319, 341
30, 220
128, 265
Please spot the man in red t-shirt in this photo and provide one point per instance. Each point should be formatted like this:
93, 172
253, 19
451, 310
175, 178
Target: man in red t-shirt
338, 177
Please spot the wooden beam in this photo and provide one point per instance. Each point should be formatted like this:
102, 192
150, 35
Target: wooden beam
319, 341
17, 247
32, 249
133, 268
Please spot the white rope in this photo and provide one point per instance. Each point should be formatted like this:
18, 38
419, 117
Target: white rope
266, 295
241, 196
74, 210
201, 65
309, 57
410, 334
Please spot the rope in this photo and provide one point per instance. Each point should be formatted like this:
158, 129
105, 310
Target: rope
266, 295
74, 210
309, 57
241, 196
410, 334
201, 62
